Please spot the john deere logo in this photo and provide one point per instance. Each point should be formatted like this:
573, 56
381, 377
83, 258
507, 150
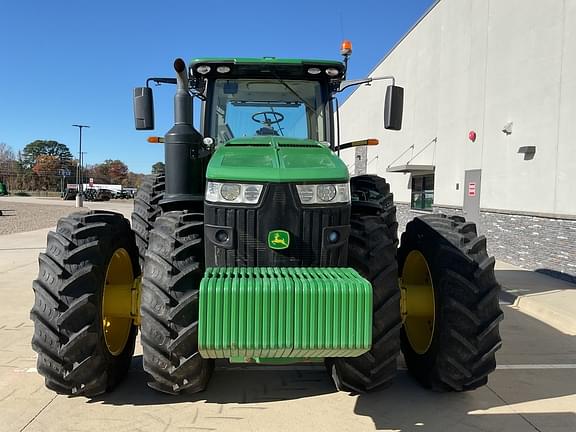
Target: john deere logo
278, 239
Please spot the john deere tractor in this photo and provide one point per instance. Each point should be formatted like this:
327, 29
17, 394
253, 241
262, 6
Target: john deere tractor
256, 246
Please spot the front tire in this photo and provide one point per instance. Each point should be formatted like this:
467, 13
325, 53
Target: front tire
82, 350
450, 304
372, 252
173, 269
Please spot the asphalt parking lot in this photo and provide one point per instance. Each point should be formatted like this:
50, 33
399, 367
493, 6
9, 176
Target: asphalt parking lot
532, 390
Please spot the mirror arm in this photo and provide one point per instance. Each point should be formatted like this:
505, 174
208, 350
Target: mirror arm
349, 83
159, 81
195, 91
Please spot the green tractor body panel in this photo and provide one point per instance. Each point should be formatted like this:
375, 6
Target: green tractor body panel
275, 159
294, 313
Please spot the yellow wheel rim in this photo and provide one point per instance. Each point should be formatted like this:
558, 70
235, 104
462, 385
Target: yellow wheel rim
116, 301
417, 303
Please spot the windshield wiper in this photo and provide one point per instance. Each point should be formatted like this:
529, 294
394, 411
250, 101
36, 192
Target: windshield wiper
300, 98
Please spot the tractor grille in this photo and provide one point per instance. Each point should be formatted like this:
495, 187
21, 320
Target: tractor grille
247, 228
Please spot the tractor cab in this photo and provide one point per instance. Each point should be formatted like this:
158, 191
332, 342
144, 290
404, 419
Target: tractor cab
246, 98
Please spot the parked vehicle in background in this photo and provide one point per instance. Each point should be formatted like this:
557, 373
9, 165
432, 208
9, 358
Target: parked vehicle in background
124, 194
69, 194
99, 192
97, 195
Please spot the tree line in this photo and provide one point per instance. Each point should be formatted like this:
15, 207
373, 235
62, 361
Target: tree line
47, 165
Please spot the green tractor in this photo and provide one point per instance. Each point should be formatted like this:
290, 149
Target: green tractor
257, 246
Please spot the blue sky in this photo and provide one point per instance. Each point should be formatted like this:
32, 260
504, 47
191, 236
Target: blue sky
64, 62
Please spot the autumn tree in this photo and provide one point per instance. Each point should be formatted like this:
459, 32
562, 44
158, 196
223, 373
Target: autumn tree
133, 180
47, 168
113, 171
118, 171
45, 148
101, 172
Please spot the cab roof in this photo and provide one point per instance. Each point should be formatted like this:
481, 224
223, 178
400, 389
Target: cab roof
265, 60
267, 67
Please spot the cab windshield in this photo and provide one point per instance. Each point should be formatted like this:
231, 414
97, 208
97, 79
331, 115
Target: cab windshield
267, 107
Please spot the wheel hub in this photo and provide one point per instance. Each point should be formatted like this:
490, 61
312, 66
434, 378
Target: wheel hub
118, 301
417, 303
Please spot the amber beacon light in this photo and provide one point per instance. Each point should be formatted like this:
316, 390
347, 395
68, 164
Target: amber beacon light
346, 47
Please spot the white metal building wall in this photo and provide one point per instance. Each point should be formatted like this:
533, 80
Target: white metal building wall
477, 65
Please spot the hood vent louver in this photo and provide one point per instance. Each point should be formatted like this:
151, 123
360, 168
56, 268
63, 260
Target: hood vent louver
230, 144
300, 145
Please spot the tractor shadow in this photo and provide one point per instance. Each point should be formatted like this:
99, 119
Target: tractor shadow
558, 275
533, 283
230, 383
407, 407
514, 400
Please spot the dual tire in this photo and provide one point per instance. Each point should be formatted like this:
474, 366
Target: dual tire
445, 317
84, 339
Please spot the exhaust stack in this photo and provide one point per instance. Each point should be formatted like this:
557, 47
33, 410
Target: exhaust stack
184, 157
182, 99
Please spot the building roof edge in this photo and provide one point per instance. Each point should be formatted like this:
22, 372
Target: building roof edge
391, 50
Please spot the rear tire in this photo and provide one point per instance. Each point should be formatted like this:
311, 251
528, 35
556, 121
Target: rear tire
173, 270
467, 313
147, 210
68, 336
372, 252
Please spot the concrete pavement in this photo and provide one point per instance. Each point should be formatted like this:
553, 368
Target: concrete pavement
546, 298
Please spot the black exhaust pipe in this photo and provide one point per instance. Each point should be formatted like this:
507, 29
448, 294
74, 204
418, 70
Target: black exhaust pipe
185, 157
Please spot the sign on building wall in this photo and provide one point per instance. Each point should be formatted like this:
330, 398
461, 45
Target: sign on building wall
472, 189
471, 207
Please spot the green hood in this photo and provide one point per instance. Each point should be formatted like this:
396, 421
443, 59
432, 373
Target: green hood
275, 159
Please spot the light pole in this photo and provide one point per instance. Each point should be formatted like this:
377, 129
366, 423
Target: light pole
79, 174
82, 165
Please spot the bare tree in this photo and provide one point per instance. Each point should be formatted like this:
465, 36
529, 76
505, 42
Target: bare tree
6, 153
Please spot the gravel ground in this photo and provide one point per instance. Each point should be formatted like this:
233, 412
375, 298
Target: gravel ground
29, 215
19, 217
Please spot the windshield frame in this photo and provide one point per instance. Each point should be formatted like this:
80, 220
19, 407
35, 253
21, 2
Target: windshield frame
326, 106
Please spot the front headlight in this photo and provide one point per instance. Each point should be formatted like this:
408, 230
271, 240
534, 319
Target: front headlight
327, 193
236, 193
230, 191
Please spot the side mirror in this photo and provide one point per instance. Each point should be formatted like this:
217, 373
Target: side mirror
393, 107
143, 108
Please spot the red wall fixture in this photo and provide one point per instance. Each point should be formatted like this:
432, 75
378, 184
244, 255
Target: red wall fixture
472, 136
